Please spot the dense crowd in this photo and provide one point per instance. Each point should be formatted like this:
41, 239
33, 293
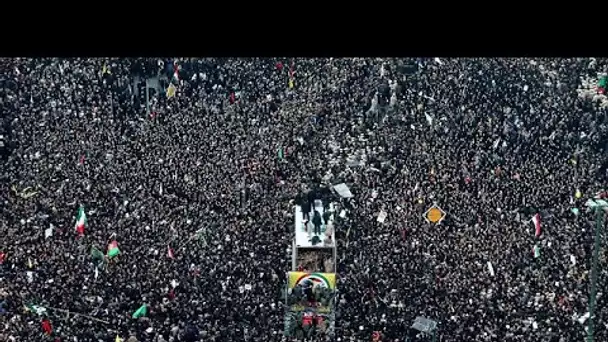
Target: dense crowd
198, 191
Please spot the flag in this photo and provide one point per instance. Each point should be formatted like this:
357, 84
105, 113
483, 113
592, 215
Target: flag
29, 263
96, 273
48, 232
81, 221
280, 153
291, 74
113, 249
490, 269
37, 309
141, 312
171, 91
175, 71
2, 257
536, 251
376, 336
81, 161
46, 327
429, 119
232, 98
601, 85
536, 220
30, 276
105, 69
96, 254
118, 339
578, 194
170, 252
584, 317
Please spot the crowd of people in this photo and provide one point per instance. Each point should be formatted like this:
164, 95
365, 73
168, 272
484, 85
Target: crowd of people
198, 191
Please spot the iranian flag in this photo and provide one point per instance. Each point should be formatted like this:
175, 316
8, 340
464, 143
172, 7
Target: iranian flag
170, 252
81, 221
113, 249
536, 221
176, 71
602, 84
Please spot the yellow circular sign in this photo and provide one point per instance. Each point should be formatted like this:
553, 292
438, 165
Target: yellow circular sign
434, 215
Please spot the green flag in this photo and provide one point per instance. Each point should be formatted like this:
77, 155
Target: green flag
602, 83
96, 254
37, 309
141, 312
280, 153
536, 251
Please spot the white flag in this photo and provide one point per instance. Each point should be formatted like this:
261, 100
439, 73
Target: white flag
438, 61
382, 216
491, 269
583, 318
96, 273
429, 119
48, 232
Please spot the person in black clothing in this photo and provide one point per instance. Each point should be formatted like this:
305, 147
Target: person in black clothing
312, 196
303, 202
316, 221
326, 216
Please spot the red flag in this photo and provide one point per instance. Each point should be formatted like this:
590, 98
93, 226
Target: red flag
536, 220
291, 70
170, 252
81, 162
80, 230
46, 327
176, 71
2, 256
232, 98
376, 336
280, 66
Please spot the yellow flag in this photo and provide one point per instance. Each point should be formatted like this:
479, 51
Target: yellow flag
171, 91
105, 69
290, 83
578, 194
118, 339
29, 263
